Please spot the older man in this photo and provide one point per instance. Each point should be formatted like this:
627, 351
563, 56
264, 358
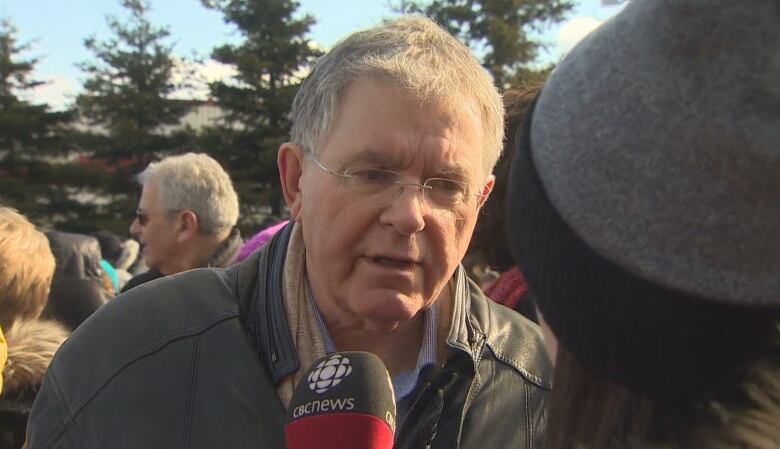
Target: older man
395, 133
186, 216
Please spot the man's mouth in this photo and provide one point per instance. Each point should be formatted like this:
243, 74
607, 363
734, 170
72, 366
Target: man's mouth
393, 262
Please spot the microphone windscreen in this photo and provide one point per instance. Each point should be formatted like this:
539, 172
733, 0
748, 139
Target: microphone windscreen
344, 401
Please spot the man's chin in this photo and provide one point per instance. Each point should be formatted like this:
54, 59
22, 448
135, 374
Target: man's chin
151, 263
392, 310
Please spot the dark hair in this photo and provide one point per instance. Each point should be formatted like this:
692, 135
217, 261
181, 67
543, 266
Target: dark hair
110, 246
592, 412
489, 242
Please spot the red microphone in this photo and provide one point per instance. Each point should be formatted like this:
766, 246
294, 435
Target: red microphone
344, 401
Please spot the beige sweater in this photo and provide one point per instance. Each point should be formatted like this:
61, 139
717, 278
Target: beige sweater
300, 315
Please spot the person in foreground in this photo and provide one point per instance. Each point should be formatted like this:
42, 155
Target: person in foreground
186, 217
644, 205
26, 272
395, 133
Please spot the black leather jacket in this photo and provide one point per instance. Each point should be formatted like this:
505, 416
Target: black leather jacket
192, 361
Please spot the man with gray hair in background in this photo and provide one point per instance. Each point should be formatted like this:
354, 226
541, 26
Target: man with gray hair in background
395, 134
186, 217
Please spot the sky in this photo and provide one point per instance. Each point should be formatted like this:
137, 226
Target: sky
57, 29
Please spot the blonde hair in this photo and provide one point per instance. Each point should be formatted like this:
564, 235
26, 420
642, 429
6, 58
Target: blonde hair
26, 268
414, 53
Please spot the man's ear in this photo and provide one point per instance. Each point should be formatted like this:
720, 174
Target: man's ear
290, 162
486, 190
187, 225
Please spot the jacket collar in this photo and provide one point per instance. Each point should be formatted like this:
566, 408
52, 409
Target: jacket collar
227, 251
465, 330
31, 346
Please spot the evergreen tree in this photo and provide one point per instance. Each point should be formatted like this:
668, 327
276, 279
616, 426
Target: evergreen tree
33, 179
270, 61
126, 103
499, 30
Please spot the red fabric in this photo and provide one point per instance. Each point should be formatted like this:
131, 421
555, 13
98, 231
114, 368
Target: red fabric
339, 431
509, 289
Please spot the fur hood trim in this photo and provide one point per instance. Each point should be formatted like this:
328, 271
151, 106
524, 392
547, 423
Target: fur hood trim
31, 346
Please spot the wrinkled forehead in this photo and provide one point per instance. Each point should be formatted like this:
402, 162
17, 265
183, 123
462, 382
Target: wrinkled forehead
377, 115
453, 100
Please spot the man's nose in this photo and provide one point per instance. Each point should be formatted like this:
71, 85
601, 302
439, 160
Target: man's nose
407, 211
135, 227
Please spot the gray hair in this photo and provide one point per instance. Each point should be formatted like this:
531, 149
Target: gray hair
416, 54
198, 183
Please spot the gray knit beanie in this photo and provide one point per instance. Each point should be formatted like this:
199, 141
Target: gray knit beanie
644, 205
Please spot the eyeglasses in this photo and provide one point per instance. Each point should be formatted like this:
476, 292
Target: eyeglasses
383, 187
143, 216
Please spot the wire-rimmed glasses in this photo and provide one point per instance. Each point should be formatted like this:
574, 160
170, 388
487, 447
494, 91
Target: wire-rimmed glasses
383, 187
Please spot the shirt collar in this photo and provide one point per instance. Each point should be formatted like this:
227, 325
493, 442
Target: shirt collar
405, 382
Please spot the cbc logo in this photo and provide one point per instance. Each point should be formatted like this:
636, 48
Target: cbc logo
329, 373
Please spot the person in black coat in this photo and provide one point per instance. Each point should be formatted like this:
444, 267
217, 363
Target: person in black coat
78, 286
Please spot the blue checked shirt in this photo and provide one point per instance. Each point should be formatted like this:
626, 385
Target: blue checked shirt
403, 383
